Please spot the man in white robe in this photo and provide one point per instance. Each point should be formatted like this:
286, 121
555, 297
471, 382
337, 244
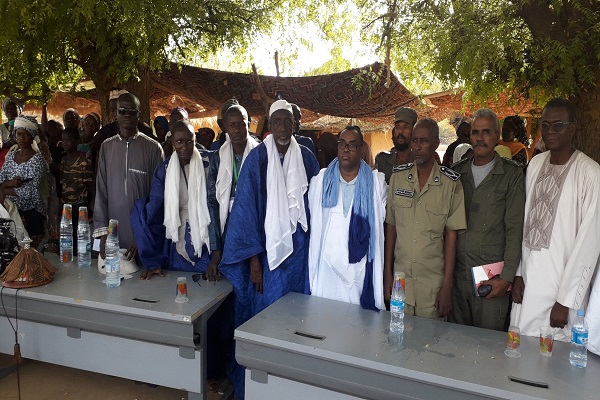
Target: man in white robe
347, 208
561, 231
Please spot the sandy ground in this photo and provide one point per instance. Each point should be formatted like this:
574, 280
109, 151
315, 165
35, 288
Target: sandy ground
42, 381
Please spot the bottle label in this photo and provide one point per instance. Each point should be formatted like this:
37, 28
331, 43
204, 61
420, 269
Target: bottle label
579, 337
83, 247
66, 242
396, 306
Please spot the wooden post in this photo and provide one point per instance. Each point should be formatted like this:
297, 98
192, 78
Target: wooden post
261, 91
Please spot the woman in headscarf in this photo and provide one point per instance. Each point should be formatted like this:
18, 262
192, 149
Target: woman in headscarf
513, 136
22, 173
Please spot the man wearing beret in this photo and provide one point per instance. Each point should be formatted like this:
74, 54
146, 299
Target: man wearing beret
404, 121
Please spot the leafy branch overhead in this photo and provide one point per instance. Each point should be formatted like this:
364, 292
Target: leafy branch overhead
49, 44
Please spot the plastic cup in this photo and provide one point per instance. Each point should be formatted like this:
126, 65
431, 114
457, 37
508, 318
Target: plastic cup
182, 295
513, 342
546, 340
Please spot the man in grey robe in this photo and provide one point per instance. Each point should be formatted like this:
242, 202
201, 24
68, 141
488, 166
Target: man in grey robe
126, 165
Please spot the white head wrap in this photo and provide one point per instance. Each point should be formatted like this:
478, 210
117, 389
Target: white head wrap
28, 123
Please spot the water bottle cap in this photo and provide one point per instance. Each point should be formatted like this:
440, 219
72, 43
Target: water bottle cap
580, 313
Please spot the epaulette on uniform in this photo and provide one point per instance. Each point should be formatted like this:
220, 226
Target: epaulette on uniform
450, 173
384, 153
402, 167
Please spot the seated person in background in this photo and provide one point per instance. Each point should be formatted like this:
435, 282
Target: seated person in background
76, 178
347, 208
171, 224
22, 173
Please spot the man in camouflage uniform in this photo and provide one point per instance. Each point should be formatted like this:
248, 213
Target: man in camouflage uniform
404, 120
425, 209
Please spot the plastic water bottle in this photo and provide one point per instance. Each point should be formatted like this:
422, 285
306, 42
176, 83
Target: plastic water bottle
113, 259
579, 341
84, 241
66, 235
397, 305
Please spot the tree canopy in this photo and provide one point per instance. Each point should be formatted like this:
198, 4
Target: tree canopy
47, 44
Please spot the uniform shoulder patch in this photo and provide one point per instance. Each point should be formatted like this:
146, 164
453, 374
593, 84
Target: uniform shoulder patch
450, 173
402, 167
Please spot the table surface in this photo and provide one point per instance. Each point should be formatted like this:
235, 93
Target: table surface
154, 298
444, 354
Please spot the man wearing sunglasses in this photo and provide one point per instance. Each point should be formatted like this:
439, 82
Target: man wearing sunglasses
126, 164
560, 235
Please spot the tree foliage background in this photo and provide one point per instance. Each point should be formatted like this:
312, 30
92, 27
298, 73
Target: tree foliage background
47, 44
533, 49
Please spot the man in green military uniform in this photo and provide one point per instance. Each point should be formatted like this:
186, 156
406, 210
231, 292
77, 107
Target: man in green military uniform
495, 205
404, 120
425, 210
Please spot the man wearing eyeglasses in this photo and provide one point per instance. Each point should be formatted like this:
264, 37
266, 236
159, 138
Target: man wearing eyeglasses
560, 236
425, 209
495, 203
126, 164
347, 207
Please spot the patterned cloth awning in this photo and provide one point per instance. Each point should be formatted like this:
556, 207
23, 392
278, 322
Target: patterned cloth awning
357, 93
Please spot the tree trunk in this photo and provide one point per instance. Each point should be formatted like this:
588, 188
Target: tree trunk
140, 87
587, 103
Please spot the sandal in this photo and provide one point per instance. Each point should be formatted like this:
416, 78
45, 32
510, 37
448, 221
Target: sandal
224, 386
212, 385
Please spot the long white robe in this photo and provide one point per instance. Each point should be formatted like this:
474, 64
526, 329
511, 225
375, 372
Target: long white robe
562, 272
330, 273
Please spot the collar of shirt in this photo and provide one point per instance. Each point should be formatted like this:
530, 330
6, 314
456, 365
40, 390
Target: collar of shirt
137, 133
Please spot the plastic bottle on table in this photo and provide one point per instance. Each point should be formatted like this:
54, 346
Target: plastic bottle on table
84, 241
66, 235
113, 259
579, 340
397, 305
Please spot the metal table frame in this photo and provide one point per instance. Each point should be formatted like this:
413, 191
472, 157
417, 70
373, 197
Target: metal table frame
136, 331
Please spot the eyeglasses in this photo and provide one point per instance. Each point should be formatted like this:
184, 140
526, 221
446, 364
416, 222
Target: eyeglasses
350, 146
128, 111
555, 126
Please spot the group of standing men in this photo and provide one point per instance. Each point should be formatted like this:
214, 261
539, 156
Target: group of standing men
341, 232
544, 227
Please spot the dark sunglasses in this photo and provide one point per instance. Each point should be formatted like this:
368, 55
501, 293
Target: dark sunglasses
128, 111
